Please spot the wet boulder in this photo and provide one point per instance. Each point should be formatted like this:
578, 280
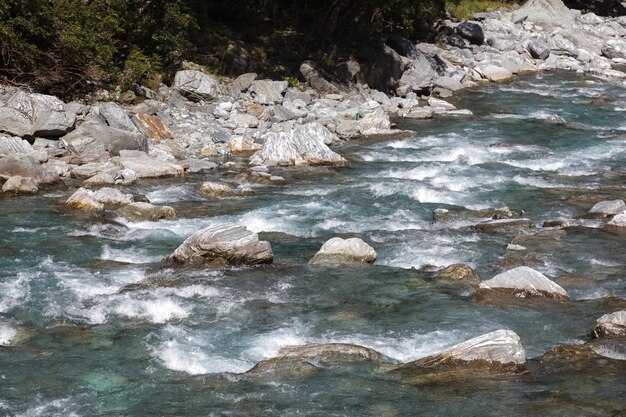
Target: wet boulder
498, 352
459, 273
504, 225
94, 141
215, 190
525, 282
20, 185
338, 250
141, 211
223, 245
196, 85
112, 197
608, 208
331, 353
83, 199
611, 325
282, 368
471, 31
302, 146
617, 224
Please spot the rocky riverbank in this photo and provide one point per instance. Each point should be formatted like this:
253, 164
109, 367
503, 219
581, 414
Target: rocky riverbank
201, 123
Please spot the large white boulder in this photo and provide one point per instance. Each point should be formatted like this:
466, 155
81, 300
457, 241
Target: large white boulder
196, 84
525, 281
345, 250
611, 325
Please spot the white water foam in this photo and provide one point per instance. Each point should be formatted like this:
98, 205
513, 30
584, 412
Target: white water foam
130, 255
7, 333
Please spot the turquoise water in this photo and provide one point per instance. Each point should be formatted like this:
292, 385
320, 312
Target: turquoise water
94, 327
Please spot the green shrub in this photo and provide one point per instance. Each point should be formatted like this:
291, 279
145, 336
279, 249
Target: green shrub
463, 9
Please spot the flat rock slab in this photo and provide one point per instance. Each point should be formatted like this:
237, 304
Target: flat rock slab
145, 166
525, 281
609, 207
504, 224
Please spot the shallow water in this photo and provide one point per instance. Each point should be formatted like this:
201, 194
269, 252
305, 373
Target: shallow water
78, 338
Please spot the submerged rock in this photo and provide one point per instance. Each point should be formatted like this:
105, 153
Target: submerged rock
223, 245
287, 368
330, 353
492, 353
459, 272
302, 146
525, 282
140, 211
611, 325
338, 250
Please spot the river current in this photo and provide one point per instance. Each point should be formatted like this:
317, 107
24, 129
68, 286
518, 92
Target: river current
91, 326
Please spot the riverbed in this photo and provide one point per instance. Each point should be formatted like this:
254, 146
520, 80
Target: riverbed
91, 325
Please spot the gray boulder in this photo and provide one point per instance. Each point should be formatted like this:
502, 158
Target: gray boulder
338, 250
617, 224
316, 80
14, 145
196, 85
27, 114
524, 282
93, 141
28, 167
145, 166
499, 352
302, 146
112, 197
268, 92
20, 185
471, 31
538, 49
223, 245
329, 354
116, 117
547, 13
141, 211
609, 207
611, 325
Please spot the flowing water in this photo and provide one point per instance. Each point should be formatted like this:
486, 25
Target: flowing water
91, 326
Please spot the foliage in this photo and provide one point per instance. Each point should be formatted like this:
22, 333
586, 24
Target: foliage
67, 47
463, 9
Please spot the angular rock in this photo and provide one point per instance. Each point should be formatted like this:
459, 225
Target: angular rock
196, 85
140, 211
215, 189
244, 81
27, 114
240, 145
84, 199
438, 103
609, 207
93, 141
146, 167
494, 73
302, 146
338, 250
611, 325
116, 117
200, 165
617, 224
316, 80
20, 185
112, 196
152, 126
547, 13
28, 167
14, 145
504, 224
538, 49
524, 282
473, 32
223, 245
268, 92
